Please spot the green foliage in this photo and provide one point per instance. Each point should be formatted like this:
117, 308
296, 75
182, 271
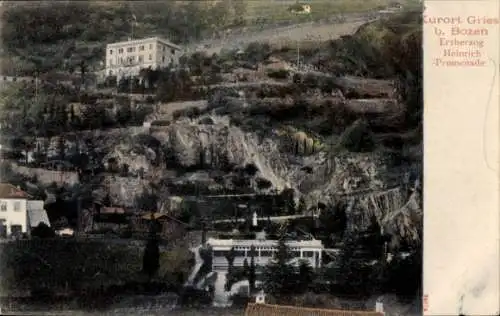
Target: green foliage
306, 275
333, 222
279, 274
151, 257
352, 275
251, 270
278, 73
302, 207
148, 201
257, 52
230, 256
70, 35
43, 231
288, 197
358, 137
175, 265
65, 264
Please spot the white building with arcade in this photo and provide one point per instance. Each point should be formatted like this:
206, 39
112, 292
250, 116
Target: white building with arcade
310, 250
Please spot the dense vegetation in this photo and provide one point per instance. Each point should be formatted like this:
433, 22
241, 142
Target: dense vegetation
41, 36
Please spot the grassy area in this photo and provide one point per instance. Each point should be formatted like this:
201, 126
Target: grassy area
68, 264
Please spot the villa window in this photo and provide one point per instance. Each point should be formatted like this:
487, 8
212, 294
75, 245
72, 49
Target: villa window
150, 57
163, 59
141, 48
17, 206
3, 206
141, 58
111, 52
150, 46
120, 50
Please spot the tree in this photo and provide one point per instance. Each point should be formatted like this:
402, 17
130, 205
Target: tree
288, 197
43, 231
147, 202
373, 240
230, 256
252, 272
353, 274
124, 114
151, 257
279, 274
302, 207
246, 267
306, 276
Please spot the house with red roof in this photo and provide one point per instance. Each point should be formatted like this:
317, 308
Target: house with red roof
19, 213
13, 210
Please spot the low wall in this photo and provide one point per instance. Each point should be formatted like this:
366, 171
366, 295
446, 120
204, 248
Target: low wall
48, 176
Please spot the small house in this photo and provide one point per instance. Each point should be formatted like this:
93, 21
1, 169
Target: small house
13, 211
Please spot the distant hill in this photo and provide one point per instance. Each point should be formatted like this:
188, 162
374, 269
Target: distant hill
43, 35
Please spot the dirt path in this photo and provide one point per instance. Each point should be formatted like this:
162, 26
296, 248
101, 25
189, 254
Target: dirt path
311, 31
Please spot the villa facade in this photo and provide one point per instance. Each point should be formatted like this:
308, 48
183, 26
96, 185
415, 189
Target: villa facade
127, 58
310, 250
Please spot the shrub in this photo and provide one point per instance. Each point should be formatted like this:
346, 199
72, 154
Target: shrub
358, 137
160, 123
278, 73
206, 121
43, 231
190, 112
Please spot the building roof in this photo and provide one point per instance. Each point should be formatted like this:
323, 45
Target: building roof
263, 243
112, 210
158, 215
9, 191
37, 216
144, 40
271, 310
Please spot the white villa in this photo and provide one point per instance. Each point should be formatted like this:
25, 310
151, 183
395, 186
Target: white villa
127, 58
18, 213
310, 250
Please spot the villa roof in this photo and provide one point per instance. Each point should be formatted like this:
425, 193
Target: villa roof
9, 191
272, 310
143, 40
260, 243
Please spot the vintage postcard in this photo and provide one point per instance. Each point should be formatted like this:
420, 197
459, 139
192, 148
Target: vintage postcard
234, 157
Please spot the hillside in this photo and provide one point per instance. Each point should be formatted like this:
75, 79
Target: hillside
306, 131
44, 36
